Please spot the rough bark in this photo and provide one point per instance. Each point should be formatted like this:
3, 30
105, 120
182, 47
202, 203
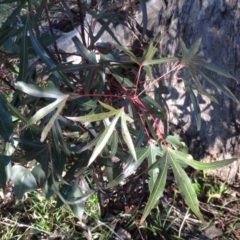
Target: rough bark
217, 23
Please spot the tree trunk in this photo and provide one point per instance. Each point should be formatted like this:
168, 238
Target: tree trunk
217, 23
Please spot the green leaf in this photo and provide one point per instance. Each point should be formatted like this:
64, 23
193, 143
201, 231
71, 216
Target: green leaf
129, 53
23, 55
144, 16
59, 104
176, 143
126, 135
39, 175
195, 78
6, 126
152, 158
157, 188
196, 108
78, 209
152, 103
220, 86
105, 26
214, 68
96, 117
189, 54
160, 61
48, 92
57, 128
45, 55
42, 92
194, 48
4, 161
104, 138
142, 153
69, 68
184, 158
93, 117
185, 186
23, 181
85, 53
6, 35
149, 53
17, 114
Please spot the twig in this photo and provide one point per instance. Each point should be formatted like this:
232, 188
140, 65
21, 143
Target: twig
12, 223
156, 80
184, 220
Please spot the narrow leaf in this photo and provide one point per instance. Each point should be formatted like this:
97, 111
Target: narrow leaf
185, 159
185, 186
23, 54
6, 126
104, 138
220, 86
214, 68
127, 137
48, 92
17, 114
196, 108
129, 53
160, 61
157, 188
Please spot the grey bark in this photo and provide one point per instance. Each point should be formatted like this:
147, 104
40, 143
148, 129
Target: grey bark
217, 23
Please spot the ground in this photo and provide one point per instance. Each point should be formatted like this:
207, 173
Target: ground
116, 214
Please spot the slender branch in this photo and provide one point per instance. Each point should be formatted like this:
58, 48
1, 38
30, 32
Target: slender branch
161, 77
